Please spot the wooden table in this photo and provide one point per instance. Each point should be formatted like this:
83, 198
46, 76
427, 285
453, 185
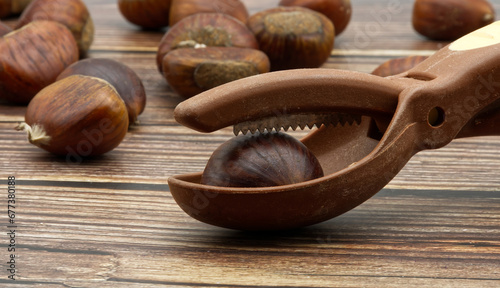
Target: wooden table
111, 221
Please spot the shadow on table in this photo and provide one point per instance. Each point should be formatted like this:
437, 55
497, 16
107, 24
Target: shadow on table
341, 230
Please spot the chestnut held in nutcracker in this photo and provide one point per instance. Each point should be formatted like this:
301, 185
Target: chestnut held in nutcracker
261, 160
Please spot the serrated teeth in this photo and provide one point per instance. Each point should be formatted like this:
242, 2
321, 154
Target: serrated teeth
294, 121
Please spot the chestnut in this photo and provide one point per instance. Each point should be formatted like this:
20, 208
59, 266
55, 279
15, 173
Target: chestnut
32, 57
398, 65
338, 11
261, 160
190, 71
205, 29
149, 14
180, 9
77, 116
293, 37
12, 7
122, 77
71, 13
4, 29
451, 19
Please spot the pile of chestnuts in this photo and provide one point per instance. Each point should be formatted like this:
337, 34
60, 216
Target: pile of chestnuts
297, 34
207, 48
75, 108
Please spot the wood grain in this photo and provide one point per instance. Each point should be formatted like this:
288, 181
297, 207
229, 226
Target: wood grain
110, 221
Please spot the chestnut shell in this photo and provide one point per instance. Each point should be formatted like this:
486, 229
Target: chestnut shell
290, 45
4, 29
74, 14
398, 65
32, 57
149, 14
338, 11
191, 71
12, 7
261, 160
82, 115
180, 9
123, 78
451, 19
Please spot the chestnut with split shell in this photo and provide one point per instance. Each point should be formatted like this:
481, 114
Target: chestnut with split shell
401, 115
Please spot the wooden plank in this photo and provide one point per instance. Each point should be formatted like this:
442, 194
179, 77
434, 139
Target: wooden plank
464, 164
429, 241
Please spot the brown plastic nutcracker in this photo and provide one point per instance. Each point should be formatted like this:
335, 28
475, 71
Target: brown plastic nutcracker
370, 127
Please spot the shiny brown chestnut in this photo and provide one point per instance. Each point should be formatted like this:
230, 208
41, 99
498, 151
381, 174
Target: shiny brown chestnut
32, 57
451, 19
293, 37
12, 7
71, 13
261, 160
123, 78
205, 29
191, 71
338, 11
76, 117
398, 65
180, 9
149, 14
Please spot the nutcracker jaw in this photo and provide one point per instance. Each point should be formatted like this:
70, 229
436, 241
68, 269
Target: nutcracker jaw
290, 99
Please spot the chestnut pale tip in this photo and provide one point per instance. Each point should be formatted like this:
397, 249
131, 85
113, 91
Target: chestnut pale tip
36, 134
